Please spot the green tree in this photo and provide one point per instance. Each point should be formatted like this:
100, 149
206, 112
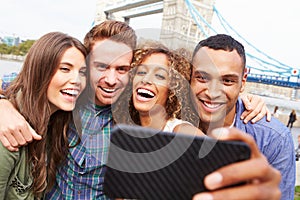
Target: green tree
24, 47
20, 50
14, 50
4, 49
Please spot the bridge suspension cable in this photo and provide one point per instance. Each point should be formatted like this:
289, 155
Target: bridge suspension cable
265, 62
279, 65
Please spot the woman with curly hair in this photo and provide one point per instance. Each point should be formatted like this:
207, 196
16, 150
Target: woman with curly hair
45, 91
158, 94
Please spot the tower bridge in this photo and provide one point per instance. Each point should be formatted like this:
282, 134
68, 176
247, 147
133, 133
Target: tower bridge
125, 5
186, 22
177, 29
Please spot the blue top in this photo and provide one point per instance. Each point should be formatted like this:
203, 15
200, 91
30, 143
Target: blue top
7, 79
275, 141
82, 176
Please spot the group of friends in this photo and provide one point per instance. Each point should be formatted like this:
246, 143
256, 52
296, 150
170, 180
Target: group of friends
56, 116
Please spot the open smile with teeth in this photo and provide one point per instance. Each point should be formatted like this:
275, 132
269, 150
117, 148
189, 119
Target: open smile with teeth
109, 90
145, 93
70, 92
212, 105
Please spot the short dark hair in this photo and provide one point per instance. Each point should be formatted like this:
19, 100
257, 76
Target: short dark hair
222, 42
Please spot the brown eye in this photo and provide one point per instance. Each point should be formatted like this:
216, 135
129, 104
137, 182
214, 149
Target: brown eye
160, 77
123, 69
201, 78
82, 72
64, 69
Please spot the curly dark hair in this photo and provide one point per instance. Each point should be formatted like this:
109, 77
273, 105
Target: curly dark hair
179, 103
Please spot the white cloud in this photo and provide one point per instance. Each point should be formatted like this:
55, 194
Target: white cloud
33, 18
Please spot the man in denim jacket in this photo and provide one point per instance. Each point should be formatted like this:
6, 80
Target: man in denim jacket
218, 78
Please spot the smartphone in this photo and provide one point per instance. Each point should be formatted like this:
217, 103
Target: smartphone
145, 163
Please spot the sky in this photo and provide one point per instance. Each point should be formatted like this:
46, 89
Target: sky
271, 26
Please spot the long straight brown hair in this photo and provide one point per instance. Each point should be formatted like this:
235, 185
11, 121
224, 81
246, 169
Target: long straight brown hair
28, 93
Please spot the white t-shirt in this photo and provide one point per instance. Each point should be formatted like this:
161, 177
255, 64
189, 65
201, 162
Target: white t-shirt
172, 123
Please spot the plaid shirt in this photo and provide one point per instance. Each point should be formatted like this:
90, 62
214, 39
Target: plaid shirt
82, 176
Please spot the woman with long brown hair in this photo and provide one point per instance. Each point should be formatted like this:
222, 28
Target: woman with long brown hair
45, 92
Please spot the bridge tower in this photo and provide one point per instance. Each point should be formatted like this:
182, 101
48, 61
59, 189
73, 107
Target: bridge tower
178, 27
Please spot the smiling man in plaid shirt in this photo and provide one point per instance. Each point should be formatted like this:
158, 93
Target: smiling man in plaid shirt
111, 46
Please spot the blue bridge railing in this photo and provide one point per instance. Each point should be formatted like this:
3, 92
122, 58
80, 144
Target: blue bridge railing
292, 82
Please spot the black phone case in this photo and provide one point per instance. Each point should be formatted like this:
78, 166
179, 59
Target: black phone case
147, 164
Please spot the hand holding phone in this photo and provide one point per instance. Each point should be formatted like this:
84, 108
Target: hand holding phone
148, 164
